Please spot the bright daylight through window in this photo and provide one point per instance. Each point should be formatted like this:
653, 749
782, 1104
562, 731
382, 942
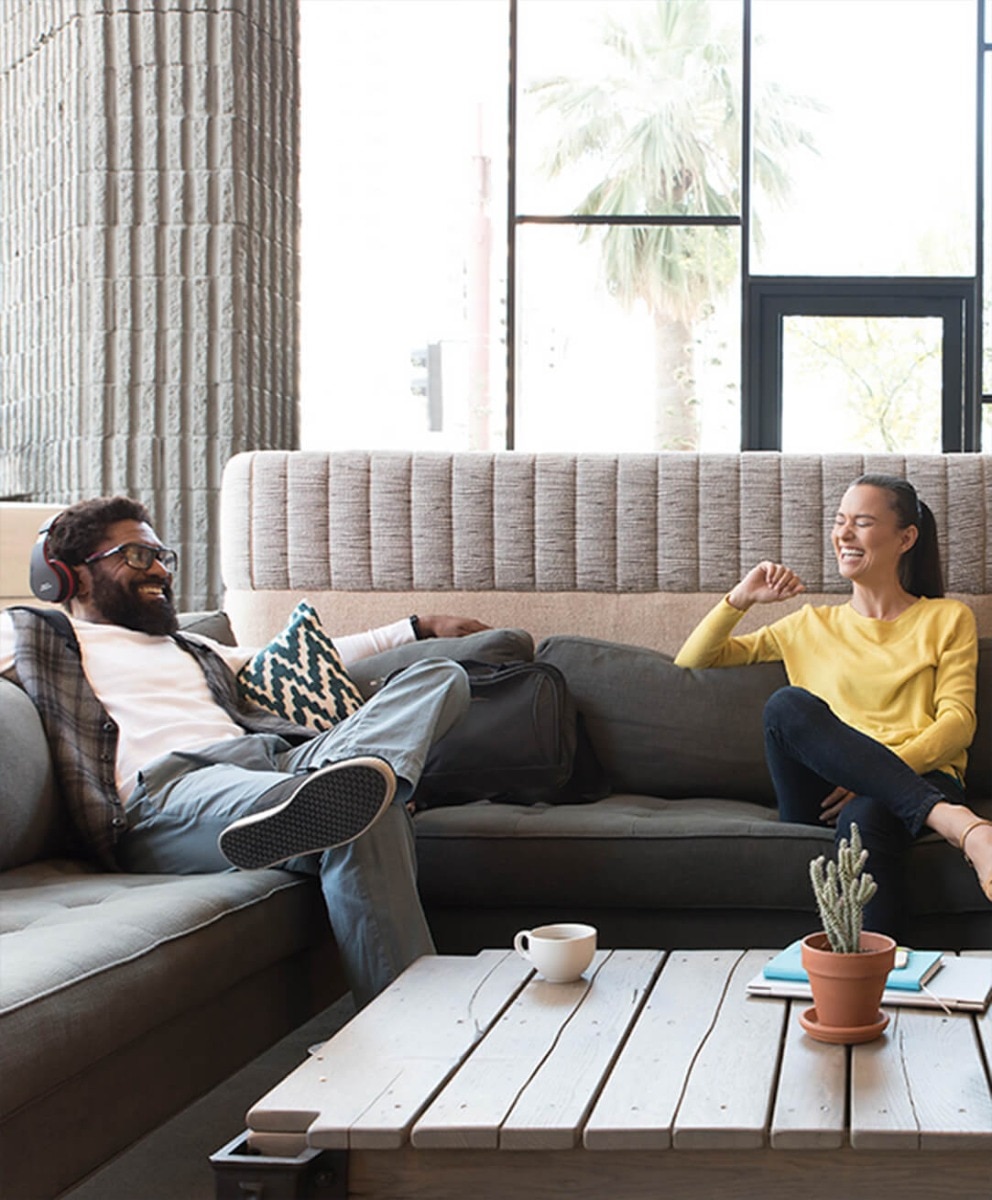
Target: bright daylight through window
573, 271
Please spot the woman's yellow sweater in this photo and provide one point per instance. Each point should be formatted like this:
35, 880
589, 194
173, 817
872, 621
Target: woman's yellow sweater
908, 683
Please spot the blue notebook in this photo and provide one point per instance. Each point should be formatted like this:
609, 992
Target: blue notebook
920, 966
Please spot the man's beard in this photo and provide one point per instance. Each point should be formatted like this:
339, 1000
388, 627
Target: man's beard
122, 605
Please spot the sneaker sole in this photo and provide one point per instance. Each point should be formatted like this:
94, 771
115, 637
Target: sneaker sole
330, 808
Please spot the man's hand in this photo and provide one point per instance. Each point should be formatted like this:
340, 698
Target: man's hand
764, 584
833, 804
436, 626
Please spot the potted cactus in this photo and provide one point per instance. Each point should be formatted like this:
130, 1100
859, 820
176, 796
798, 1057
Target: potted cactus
847, 966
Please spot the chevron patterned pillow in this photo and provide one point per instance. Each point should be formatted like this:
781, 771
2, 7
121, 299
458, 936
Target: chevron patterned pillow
299, 675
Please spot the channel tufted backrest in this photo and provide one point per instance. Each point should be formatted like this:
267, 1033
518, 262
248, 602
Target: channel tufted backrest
621, 523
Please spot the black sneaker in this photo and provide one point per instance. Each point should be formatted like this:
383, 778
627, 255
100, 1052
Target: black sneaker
326, 808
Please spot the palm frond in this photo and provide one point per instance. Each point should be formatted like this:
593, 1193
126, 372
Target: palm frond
663, 122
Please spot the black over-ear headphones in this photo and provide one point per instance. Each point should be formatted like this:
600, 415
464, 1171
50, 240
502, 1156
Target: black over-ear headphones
51, 579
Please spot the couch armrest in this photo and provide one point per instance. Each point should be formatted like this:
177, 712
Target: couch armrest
29, 800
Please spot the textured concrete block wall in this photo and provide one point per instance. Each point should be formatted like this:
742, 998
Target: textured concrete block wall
148, 184
40, 293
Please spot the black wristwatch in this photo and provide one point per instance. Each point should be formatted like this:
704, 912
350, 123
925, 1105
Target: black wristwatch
415, 626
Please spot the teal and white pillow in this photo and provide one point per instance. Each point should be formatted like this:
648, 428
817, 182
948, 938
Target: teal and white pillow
299, 675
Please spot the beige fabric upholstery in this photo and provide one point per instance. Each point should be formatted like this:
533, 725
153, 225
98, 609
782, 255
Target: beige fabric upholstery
19, 525
630, 547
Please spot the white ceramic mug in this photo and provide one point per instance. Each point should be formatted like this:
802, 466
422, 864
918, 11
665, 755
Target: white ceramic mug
560, 952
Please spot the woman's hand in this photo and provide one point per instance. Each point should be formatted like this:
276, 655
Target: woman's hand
764, 584
833, 804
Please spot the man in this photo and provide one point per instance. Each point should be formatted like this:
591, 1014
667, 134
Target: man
163, 769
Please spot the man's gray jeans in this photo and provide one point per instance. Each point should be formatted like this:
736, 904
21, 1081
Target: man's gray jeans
184, 800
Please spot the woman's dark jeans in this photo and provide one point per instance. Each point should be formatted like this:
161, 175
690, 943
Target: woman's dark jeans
810, 751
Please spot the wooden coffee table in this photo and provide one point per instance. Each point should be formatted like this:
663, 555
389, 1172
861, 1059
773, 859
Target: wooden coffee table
655, 1075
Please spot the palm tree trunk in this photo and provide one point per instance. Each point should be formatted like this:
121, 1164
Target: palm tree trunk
677, 408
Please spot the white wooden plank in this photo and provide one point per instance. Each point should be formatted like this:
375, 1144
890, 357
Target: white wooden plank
367, 1084
550, 1112
636, 1108
388, 1120
471, 1109
921, 1085
948, 1080
811, 1101
728, 1096
983, 1021
882, 1114
278, 1145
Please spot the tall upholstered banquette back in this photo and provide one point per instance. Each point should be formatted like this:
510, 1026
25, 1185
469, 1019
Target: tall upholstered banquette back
630, 547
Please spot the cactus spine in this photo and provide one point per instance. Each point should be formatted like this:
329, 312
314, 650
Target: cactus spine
842, 890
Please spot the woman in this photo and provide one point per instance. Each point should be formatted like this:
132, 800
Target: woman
875, 725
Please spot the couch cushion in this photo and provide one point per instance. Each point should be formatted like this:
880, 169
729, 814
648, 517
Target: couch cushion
488, 645
637, 852
213, 623
662, 730
625, 851
29, 800
92, 960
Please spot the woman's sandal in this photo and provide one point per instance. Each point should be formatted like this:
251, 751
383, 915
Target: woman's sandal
986, 884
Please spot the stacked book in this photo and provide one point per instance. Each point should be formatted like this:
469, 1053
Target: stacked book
927, 978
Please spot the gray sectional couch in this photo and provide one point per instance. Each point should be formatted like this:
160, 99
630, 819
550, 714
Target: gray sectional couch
123, 997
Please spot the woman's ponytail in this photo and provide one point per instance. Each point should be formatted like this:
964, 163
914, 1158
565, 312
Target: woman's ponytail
920, 571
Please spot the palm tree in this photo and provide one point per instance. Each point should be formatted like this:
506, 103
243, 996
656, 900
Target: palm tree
666, 122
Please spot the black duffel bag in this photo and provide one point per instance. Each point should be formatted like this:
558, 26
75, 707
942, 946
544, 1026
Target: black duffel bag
521, 742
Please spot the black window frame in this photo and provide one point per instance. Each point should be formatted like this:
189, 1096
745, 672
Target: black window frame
770, 299
765, 300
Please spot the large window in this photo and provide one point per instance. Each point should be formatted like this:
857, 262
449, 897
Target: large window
644, 224
626, 224
403, 192
888, 96
873, 345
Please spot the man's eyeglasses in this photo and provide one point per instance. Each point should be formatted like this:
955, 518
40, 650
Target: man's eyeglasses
140, 557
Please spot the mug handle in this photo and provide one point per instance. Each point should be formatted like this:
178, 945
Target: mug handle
521, 943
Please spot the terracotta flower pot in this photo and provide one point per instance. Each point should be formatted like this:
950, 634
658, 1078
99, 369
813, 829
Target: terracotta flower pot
847, 988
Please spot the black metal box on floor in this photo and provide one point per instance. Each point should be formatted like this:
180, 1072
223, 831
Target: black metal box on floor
242, 1174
